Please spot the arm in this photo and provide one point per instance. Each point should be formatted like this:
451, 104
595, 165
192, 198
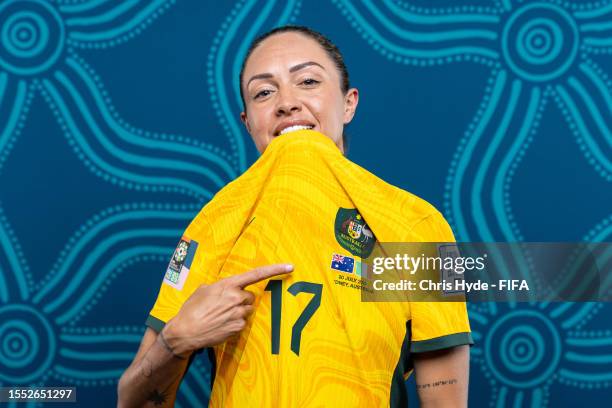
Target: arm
154, 376
442, 377
211, 315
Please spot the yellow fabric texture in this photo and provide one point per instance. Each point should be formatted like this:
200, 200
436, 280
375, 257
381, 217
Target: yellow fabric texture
284, 209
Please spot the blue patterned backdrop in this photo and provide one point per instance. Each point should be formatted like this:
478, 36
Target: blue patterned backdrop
119, 121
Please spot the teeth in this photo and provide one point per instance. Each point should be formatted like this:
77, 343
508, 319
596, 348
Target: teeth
294, 128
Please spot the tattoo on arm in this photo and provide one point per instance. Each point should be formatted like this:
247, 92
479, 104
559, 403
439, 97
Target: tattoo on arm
146, 367
438, 383
152, 374
160, 397
157, 398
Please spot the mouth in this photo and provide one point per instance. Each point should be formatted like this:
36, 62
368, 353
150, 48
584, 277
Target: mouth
293, 128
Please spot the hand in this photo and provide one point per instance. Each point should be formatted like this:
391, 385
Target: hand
213, 313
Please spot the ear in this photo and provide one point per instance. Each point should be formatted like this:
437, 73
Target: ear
245, 120
351, 99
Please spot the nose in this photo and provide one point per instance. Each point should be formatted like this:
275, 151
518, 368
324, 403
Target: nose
287, 103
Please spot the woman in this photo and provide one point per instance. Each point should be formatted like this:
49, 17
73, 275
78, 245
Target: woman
295, 79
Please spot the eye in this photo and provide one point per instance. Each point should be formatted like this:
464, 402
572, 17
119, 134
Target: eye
262, 94
310, 82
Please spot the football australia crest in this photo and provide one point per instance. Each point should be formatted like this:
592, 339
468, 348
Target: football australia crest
352, 232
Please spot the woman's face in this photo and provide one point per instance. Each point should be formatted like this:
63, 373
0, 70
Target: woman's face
289, 80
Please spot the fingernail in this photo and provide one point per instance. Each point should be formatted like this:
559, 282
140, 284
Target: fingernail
288, 267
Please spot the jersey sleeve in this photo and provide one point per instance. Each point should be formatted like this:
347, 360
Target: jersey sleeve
437, 325
192, 264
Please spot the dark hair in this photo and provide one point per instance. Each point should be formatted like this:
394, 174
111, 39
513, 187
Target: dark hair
330, 48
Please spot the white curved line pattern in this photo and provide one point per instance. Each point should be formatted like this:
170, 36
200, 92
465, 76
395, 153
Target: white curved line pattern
94, 255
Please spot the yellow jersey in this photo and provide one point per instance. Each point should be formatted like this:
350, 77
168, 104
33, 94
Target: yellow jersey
311, 341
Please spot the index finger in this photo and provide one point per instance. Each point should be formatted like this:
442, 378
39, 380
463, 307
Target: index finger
258, 274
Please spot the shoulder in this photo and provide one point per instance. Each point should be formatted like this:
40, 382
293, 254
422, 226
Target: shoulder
424, 221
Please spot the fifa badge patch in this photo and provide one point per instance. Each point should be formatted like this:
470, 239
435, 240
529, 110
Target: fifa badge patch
342, 263
180, 263
448, 274
352, 232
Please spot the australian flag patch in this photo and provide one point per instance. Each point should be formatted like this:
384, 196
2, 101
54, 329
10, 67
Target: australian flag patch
342, 263
180, 263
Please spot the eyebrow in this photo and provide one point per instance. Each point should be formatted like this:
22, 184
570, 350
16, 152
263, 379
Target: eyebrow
293, 69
